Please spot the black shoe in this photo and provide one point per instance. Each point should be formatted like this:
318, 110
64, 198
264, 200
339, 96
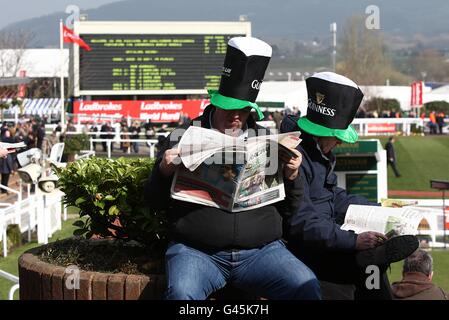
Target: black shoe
394, 249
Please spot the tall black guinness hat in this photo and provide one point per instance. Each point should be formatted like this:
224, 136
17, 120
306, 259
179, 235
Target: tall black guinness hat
333, 101
243, 71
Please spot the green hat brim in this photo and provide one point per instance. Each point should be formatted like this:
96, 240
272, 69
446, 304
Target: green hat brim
228, 103
348, 135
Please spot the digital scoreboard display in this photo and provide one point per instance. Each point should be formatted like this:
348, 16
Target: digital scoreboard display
150, 62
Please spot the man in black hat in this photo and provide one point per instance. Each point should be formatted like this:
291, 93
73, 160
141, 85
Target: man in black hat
212, 247
315, 236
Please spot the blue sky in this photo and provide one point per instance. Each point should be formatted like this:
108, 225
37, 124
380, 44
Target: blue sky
13, 11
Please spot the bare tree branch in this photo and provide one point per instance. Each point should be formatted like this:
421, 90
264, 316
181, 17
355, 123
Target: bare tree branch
12, 50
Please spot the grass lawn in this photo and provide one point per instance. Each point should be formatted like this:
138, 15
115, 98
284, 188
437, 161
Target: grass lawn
419, 159
440, 269
9, 264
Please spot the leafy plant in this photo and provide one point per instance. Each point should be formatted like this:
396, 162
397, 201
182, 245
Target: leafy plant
16, 102
437, 106
76, 142
380, 104
4, 105
110, 193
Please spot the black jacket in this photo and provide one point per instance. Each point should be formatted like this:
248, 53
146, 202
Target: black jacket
391, 155
211, 228
323, 206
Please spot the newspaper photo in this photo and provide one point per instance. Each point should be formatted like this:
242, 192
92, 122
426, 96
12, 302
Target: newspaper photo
388, 221
235, 174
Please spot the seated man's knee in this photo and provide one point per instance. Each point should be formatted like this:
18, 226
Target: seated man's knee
303, 286
309, 290
308, 285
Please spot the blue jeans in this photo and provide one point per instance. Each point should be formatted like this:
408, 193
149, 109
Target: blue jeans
271, 272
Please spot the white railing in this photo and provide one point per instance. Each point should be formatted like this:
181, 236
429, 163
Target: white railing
12, 278
151, 143
42, 211
404, 125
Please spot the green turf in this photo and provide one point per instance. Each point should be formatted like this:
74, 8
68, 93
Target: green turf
9, 264
419, 159
440, 269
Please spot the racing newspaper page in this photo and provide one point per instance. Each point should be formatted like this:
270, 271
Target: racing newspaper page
234, 174
388, 221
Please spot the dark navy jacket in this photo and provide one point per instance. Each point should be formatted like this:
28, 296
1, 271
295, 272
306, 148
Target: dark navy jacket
323, 207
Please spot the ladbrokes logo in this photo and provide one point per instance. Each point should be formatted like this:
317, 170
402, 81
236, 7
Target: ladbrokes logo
98, 106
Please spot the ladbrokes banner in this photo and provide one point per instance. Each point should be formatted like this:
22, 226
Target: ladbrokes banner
381, 128
156, 110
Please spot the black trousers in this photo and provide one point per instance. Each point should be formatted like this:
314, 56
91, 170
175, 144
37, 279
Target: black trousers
340, 267
5, 179
395, 169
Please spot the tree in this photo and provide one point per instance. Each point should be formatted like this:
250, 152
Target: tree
380, 105
430, 65
363, 55
12, 49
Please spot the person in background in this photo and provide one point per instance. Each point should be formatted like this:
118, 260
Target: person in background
149, 129
40, 134
94, 128
6, 162
433, 122
135, 132
391, 156
184, 119
124, 145
416, 283
440, 121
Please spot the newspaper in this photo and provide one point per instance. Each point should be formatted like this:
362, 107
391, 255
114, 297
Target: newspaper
231, 173
388, 221
5, 145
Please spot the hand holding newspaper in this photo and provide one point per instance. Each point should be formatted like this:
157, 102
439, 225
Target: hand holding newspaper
388, 221
231, 173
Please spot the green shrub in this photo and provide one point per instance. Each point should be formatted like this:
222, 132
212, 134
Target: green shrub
76, 142
110, 193
14, 237
380, 105
437, 106
4, 105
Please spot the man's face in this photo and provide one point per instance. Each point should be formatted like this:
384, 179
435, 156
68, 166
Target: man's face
328, 143
230, 120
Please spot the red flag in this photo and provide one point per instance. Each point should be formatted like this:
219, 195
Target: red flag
70, 36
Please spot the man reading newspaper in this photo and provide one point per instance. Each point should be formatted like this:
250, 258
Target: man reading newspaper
212, 245
336, 255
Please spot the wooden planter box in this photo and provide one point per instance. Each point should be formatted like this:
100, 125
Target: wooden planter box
43, 281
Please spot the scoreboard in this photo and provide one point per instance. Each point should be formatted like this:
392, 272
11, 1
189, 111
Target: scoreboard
152, 58
152, 62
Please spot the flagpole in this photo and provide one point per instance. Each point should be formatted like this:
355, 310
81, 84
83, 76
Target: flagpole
61, 45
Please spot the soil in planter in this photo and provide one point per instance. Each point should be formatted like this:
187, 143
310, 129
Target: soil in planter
111, 256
